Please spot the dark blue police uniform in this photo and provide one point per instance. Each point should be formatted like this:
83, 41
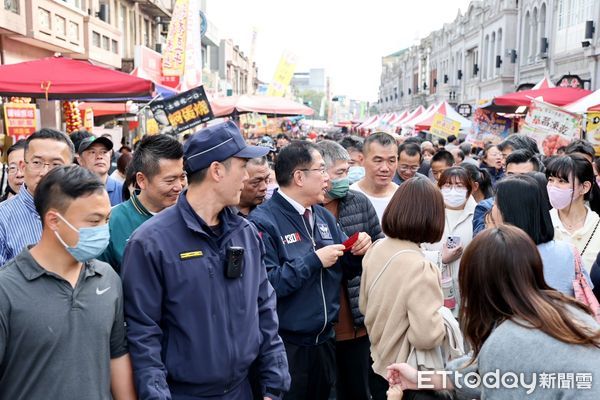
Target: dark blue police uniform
193, 333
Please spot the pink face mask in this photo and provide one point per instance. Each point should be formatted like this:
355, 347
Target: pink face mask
559, 198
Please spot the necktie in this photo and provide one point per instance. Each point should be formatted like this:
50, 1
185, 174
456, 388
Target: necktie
308, 219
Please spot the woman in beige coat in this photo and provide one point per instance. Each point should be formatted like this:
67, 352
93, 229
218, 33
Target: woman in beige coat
400, 292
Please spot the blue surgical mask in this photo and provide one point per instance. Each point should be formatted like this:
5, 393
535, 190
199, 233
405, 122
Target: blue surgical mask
92, 241
355, 173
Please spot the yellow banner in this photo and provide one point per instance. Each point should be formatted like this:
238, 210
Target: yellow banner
444, 126
173, 61
593, 130
283, 75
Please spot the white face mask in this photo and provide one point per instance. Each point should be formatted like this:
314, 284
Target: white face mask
454, 197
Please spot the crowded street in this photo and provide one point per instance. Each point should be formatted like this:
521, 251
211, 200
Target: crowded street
225, 200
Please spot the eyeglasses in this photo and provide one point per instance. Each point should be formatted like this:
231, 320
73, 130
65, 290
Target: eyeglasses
323, 171
412, 168
37, 165
12, 169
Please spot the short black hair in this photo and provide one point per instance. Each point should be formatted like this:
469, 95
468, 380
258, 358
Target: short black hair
78, 136
411, 150
518, 142
296, 155
62, 185
151, 150
451, 138
52, 134
481, 176
283, 136
414, 139
444, 156
582, 147
523, 156
520, 200
18, 145
352, 143
441, 142
382, 138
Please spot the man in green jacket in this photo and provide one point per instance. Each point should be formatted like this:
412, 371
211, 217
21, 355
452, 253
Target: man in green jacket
159, 176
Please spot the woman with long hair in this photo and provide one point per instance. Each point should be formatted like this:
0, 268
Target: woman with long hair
575, 198
400, 292
515, 323
521, 200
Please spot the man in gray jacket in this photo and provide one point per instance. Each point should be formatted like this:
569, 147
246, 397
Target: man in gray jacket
354, 213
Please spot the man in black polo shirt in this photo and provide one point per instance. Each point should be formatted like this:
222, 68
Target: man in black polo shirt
62, 334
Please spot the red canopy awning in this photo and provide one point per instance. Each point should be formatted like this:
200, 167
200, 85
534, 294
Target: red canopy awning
65, 78
559, 96
101, 109
270, 105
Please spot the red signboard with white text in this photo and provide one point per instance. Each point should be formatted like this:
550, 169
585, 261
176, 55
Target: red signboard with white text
19, 120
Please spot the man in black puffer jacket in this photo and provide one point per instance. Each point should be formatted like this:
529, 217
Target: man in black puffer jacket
354, 213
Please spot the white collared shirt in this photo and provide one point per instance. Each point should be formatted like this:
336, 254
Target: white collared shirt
581, 236
297, 206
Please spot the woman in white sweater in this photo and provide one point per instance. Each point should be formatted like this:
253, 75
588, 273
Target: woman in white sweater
456, 187
575, 198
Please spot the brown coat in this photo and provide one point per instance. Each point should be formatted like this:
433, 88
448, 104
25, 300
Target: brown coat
402, 308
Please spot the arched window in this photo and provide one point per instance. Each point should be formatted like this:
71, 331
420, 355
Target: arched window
542, 22
535, 39
526, 39
491, 61
499, 50
485, 56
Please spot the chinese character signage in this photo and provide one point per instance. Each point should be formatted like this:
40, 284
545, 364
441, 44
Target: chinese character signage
19, 120
183, 111
488, 127
551, 126
173, 62
444, 126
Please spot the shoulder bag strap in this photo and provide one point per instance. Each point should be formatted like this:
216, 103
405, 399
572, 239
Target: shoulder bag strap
590, 239
387, 264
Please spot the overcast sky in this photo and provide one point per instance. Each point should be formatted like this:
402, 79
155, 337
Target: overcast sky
346, 37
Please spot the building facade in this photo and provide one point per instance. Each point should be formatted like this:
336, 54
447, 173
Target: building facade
496, 47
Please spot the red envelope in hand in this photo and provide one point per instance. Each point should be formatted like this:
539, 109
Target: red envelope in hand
350, 242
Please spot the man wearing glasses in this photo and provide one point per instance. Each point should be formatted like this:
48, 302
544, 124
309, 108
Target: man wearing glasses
305, 263
409, 161
14, 155
20, 224
94, 154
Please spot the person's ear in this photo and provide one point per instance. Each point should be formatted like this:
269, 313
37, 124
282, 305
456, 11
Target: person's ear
587, 186
141, 180
298, 178
475, 187
51, 219
215, 170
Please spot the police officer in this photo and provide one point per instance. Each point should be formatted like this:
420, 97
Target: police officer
305, 261
198, 305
